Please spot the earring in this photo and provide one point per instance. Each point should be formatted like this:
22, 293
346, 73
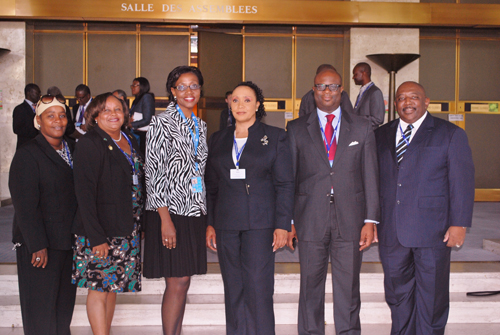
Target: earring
175, 98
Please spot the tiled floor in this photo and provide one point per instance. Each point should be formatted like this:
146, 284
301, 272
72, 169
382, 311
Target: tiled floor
381, 329
485, 224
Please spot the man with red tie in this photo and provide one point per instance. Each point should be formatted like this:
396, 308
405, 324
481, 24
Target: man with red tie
336, 205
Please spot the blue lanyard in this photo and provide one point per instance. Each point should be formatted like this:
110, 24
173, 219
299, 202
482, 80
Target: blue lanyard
361, 95
407, 140
129, 158
66, 151
196, 139
238, 152
328, 146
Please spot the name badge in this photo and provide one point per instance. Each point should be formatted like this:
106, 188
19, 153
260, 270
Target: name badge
196, 185
135, 179
238, 174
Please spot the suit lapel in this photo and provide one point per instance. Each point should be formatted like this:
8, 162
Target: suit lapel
317, 139
391, 139
52, 154
344, 137
422, 133
252, 148
115, 152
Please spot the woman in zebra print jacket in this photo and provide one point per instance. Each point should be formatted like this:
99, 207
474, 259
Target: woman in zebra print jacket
176, 202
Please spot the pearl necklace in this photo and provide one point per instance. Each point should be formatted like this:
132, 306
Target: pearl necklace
119, 139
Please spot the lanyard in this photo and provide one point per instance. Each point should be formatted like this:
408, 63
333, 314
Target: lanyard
406, 139
129, 158
66, 151
361, 94
238, 152
196, 139
328, 146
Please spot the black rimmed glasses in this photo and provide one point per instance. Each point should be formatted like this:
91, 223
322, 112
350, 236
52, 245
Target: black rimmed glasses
184, 87
331, 87
47, 99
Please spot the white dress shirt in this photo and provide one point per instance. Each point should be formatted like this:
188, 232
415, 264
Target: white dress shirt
402, 127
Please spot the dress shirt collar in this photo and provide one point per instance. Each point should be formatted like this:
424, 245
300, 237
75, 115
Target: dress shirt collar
364, 87
415, 124
32, 105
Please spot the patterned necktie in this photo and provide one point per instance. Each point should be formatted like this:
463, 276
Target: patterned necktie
82, 112
402, 145
328, 137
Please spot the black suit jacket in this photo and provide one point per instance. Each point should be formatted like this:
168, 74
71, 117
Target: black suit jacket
308, 105
22, 123
43, 194
354, 177
224, 115
103, 184
269, 177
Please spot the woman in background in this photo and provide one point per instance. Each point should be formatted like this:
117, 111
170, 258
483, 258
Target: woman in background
142, 110
175, 166
43, 194
108, 184
250, 193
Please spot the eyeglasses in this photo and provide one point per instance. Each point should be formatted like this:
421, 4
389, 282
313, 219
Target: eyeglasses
47, 99
331, 87
183, 87
132, 86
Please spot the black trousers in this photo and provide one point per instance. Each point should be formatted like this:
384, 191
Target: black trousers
246, 261
47, 295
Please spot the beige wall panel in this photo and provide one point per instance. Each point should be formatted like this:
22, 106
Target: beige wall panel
111, 62
479, 69
437, 68
268, 63
220, 61
276, 119
312, 52
159, 56
58, 61
484, 140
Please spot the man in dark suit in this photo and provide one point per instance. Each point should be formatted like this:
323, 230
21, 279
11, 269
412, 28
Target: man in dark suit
226, 116
370, 101
23, 115
336, 205
83, 96
308, 104
427, 196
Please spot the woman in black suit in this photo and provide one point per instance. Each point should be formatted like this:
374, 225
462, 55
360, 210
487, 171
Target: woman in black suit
43, 194
142, 110
250, 190
108, 183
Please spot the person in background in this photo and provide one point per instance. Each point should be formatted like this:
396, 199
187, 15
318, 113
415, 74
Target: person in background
108, 184
250, 192
142, 110
226, 117
176, 156
370, 101
43, 194
120, 94
70, 128
23, 115
83, 97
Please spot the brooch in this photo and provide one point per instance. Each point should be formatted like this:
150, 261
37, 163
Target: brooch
264, 140
110, 147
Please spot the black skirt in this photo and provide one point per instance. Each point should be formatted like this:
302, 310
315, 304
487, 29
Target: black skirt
187, 259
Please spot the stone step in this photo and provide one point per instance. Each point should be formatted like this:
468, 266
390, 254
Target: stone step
208, 310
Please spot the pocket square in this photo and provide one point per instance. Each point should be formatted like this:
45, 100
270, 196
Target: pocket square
353, 143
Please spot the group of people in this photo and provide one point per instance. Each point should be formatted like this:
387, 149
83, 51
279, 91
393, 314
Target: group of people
330, 182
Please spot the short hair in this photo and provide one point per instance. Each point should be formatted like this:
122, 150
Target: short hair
83, 88
228, 93
365, 67
332, 70
324, 67
30, 87
54, 90
175, 74
261, 111
97, 105
120, 93
415, 83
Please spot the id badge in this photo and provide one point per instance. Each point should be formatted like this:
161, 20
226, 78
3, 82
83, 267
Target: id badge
196, 185
135, 179
238, 174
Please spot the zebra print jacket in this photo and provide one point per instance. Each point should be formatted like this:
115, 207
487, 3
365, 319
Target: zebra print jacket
170, 164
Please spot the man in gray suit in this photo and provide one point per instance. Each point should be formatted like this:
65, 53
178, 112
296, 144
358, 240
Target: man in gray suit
370, 101
336, 205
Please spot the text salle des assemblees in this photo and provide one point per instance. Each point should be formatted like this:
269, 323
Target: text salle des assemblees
177, 8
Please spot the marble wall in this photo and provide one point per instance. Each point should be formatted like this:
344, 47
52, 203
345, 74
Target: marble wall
366, 41
12, 82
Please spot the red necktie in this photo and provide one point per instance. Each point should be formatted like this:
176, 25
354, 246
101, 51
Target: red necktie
329, 135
